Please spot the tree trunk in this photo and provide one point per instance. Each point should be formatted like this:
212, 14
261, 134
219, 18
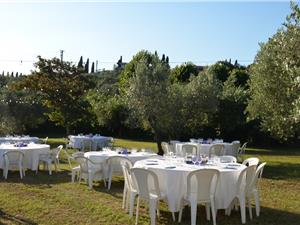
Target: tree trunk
158, 142
67, 130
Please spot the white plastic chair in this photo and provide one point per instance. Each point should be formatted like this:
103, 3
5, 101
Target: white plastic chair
86, 144
165, 147
216, 149
75, 170
227, 159
253, 190
251, 161
45, 140
112, 162
202, 192
172, 146
242, 151
235, 146
244, 183
90, 170
51, 156
148, 190
129, 191
189, 149
13, 160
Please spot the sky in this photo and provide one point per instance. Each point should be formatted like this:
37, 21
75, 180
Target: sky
195, 31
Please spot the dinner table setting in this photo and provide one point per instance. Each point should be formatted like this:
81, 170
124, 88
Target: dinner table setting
172, 172
32, 152
97, 140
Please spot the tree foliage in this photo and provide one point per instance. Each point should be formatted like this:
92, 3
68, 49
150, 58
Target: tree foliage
168, 110
61, 89
275, 81
183, 72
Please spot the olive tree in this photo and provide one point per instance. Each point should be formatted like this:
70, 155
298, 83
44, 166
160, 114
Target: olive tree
275, 81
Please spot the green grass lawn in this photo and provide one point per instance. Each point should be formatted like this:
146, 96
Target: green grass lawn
44, 199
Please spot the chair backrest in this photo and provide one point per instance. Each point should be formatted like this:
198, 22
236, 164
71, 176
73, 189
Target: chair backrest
83, 163
189, 149
258, 175
114, 160
216, 149
206, 183
251, 161
227, 159
86, 144
248, 174
126, 165
55, 152
242, 149
146, 182
235, 145
13, 157
165, 147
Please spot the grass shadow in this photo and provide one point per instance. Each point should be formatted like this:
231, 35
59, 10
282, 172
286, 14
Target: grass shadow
42, 178
268, 216
5, 217
282, 171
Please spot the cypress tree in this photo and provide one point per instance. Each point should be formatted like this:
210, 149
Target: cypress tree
86, 66
93, 68
3, 73
163, 58
17, 74
167, 59
80, 63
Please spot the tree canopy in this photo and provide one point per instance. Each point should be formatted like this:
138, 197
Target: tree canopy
275, 81
60, 87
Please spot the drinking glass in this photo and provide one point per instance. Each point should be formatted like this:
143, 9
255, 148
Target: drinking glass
194, 159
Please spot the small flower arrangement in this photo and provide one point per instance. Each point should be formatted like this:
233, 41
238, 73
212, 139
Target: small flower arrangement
20, 144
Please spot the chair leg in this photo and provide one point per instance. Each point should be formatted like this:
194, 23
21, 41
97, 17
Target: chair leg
243, 210
173, 216
213, 211
124, 197
6, 173
21, 173
73, 176
90, 181
257, 203
137, 211
131, 206
109, 179
193, 212
250, 208
152, 210
127, 201
207, 208
49, 168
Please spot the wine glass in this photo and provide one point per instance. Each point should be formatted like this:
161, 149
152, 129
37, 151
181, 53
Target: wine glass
194, 159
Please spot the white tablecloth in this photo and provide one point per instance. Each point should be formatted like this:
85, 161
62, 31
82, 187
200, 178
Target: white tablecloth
173, 181
100, 157
31, 153
97, 141
204, 148
25, 139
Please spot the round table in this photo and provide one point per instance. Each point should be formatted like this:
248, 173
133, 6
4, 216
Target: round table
97, 141
172, 177
100, 157
31, 153
24, 139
